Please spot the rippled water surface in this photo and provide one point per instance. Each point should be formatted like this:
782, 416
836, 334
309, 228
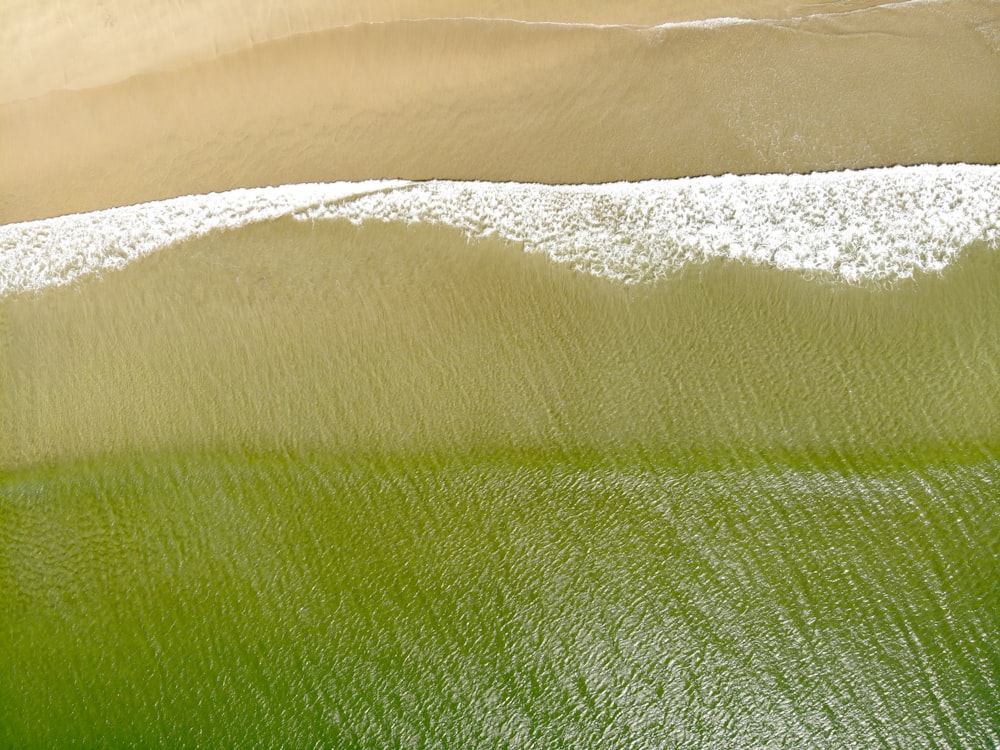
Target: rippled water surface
314, 484
490, 374
562, 600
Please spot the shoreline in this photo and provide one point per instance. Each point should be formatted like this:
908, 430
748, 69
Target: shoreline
872, 225
493, 100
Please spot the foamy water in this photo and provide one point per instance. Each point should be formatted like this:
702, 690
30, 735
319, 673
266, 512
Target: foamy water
877, 224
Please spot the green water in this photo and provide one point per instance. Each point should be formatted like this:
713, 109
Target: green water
494, 600
328, 486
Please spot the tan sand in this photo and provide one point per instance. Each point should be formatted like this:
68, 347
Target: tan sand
502, 100
66, 44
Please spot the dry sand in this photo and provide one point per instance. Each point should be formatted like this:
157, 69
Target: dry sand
194, 100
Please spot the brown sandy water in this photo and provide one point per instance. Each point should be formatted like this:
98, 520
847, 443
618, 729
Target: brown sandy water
407, 338
370, 487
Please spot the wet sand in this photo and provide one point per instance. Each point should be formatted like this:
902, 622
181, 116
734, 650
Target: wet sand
507, 100
69, 45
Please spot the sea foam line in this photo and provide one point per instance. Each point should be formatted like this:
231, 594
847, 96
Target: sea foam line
875, 224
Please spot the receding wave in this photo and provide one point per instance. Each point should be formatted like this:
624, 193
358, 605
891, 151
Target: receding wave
877, 225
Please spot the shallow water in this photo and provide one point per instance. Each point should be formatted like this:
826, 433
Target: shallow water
567, 600
314, 483
409, 338
417, 462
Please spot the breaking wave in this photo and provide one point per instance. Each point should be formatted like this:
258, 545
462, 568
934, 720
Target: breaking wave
876, 225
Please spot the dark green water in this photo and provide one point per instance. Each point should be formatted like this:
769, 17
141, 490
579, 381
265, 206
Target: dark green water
327, 486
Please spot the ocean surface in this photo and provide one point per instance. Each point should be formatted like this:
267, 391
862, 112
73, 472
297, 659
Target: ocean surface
695, 463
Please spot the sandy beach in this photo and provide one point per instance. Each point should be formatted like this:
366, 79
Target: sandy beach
701, 463
68, 45
545, 95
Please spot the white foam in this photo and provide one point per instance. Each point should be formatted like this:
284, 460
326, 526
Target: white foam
878, 224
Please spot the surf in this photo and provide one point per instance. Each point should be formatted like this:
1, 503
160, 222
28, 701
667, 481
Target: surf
876, 225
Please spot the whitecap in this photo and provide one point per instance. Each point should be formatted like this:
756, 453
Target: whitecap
876, 224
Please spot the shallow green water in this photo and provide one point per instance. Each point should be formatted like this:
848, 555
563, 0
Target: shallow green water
329, 486
486, 600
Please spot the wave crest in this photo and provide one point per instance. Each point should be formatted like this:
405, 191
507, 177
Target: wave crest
876, 224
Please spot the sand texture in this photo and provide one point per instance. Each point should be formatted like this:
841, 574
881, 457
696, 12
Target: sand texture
481, 98
63, 44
